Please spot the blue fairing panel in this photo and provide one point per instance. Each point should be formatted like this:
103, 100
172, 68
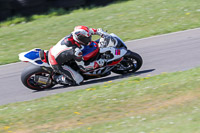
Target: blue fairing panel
38, 49
39, 62
89, 48
32, 55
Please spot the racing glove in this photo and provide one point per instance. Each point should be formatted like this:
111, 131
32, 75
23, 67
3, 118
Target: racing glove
101, 32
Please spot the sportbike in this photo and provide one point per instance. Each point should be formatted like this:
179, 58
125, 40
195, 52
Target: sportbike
119, 59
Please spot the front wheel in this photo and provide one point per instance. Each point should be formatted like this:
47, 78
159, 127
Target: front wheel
130, 64
35, 78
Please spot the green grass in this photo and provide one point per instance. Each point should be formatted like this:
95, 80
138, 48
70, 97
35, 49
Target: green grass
129, 20
167, 103
18, 19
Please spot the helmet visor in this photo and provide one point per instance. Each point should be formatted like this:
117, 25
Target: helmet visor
85, 40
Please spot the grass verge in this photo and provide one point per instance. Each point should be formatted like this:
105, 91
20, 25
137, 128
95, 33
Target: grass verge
167, 103
18, 19
129, 20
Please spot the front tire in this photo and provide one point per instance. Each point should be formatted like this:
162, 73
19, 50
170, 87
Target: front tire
28, 78
130, 64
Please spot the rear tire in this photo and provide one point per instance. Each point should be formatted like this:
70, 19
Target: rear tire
130, 64
28, 78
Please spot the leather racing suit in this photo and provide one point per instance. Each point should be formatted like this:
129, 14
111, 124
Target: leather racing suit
68, 49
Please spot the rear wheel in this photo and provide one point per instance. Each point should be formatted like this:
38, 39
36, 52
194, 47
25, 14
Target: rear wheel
35, 78
130, 64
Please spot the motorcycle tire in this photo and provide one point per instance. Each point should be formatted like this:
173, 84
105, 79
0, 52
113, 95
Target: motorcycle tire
28, 75
131, 63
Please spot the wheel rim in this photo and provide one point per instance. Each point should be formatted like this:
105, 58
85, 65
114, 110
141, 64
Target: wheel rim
127, 64
33, 84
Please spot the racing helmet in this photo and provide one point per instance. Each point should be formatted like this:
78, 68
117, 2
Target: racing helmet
82, 35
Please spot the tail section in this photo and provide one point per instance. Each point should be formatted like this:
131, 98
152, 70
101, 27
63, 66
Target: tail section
33, 57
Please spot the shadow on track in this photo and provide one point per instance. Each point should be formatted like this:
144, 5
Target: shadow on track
117, 77
104, 79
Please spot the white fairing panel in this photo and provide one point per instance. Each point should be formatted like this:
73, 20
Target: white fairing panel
117, 52
112, 34
33, 57
110, 45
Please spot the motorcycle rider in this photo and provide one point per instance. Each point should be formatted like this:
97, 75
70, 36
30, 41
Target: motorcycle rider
69, 48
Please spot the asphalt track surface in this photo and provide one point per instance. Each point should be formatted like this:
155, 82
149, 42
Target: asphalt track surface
172, 52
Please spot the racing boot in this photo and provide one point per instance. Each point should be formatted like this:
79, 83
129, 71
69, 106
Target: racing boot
60, 79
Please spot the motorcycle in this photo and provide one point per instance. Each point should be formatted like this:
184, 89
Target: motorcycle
119, 60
